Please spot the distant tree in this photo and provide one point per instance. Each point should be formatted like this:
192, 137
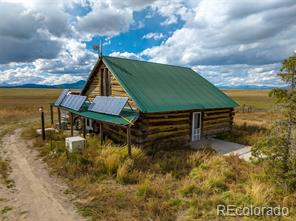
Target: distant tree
276, 149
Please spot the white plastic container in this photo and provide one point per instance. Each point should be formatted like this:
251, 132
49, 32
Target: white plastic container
74, 143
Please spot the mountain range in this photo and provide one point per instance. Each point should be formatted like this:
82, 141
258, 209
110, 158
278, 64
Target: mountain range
80, 84
76, 85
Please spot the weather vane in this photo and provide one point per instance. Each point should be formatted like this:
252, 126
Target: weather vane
99, 48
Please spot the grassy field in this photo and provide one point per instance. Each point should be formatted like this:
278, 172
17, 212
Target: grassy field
19, 104
166, 185
30, 99
20, 97
257, 98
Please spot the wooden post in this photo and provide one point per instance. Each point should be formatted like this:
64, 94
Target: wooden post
51, 115
59, 118
72, 131
128, 137
84, 127
42, 124
101, 133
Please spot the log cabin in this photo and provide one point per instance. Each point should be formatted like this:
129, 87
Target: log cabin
167, 105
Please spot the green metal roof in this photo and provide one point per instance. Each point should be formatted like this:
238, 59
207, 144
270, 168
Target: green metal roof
160, 87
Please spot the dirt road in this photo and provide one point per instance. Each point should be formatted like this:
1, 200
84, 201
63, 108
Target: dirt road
36, 195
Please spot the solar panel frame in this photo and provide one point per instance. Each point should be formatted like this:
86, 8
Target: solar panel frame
73, 102
108, 105
61, 97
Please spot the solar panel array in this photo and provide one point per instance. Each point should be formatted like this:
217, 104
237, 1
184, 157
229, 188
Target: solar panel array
73, 102
61, 97
108, 105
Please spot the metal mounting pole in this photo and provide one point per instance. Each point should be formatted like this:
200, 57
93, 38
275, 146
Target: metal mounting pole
128, 136
101, 134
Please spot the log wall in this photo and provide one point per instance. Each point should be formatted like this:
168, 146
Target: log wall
94, 86
217, 121
171, 129
113, 87
118, 91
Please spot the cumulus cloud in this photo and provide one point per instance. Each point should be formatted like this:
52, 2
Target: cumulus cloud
227, 41
23, 35
129, 55
153, 35
109, 21
217, 35
241, 74
110, 17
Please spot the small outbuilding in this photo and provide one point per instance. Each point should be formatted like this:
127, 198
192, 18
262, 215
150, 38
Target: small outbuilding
150, 104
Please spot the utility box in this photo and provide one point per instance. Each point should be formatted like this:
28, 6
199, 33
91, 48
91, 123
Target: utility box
75, 143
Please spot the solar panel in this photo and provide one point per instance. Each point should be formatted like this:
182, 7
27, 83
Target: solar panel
108, 105
61, 97
73, 102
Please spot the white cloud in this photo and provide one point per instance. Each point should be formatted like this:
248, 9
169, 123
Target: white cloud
218, 34
129, 55
109, 21
228, 41
232, 42
173, 10
110, 17
152, 35
241, 74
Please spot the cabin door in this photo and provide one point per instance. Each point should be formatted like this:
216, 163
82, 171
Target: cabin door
196, 126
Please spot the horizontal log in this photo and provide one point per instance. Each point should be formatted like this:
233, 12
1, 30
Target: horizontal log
167, 134
151, 132
216, 125
119, 133
166, 119
144, 123
164, 127
217, 111
217, 120
205, 117
216, 131
117, 87
164, 115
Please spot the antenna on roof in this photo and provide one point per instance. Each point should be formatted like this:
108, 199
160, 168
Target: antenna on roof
99, 48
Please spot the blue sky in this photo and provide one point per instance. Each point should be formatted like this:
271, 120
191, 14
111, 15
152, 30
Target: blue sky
228, 42
134, 41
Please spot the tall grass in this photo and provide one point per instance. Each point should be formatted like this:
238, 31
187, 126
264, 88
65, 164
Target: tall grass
166, 185
161, 185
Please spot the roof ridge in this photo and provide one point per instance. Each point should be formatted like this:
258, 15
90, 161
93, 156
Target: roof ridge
150, 62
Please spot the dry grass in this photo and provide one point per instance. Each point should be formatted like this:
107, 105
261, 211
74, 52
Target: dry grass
4, 173
256, 98
22, 104
165, 185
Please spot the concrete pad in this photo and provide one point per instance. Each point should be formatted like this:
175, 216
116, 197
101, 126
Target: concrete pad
229, 148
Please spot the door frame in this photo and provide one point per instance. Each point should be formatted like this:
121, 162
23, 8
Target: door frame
192, 127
